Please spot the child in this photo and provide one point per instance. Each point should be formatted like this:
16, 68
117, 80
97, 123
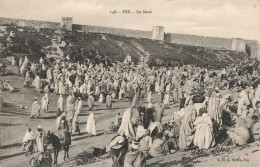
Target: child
112, 127
77, 128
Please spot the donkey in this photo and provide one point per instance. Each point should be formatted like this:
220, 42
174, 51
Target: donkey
56, 142
66, 142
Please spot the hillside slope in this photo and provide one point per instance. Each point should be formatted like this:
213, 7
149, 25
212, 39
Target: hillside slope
97, 46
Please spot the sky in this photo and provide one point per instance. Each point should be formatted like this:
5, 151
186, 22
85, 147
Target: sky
217, 18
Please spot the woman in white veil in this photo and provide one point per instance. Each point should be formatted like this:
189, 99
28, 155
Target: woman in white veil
91, 124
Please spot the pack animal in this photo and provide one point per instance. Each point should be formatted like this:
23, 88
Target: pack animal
59, 142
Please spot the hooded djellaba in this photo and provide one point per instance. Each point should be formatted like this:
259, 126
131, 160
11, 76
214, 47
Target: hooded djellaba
187, 128
126, 127
204, 136
35, 108
91, 124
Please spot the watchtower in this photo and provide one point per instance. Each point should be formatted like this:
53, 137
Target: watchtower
158, 33
66, 23
238, 44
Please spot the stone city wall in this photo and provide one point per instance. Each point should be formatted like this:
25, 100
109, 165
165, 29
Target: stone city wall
194, 40
115, 31
236, 44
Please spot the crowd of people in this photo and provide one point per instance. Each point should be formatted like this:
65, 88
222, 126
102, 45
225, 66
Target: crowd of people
213, 104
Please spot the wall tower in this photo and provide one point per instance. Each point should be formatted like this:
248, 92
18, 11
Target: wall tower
66, 23
238, 44
158, 33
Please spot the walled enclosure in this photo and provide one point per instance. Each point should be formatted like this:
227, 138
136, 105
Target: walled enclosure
235, 44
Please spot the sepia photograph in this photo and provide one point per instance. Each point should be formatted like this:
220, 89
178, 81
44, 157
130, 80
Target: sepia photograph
130, 83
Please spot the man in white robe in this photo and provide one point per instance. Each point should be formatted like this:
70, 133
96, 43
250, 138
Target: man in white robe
45, 102
69, 108
60, 103
126, 127
62, 90
27, 78
49, 74
204, 137
166, 100
68, 102
22, 68
78, 106
56, 86
40, 139
33, 67
149, 96
44, 67
28, 141
41, 60
37, 82
20, 62
35, 108
26, 60
90, 101
109, 101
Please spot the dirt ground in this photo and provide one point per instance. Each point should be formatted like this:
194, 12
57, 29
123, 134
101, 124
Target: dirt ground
15, 121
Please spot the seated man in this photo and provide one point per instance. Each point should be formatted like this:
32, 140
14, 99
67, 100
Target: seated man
134, 157
204, 137
11, 88
173, 135
111, 128
159, 146
6, 85
146, 142
239, 134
